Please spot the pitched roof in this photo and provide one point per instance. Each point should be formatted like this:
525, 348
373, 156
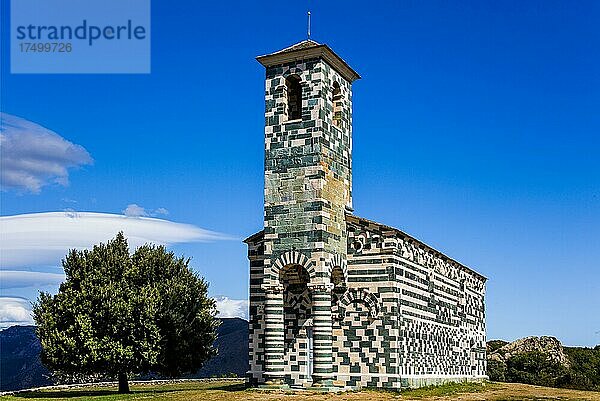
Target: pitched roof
255, 236
305, 44
356, 220
308, 49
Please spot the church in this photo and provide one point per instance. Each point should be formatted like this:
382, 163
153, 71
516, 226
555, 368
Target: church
336, 300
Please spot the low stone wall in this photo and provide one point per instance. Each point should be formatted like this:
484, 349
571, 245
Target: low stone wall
132, 382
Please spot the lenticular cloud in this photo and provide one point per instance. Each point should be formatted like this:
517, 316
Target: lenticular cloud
34, 156
42, 239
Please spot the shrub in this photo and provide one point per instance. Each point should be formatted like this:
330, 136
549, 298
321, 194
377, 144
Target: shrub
535, 367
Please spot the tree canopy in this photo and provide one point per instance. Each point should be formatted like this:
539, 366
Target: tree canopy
118, 314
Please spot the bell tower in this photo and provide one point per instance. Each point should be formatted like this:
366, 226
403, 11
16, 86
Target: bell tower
308, 191
308, 149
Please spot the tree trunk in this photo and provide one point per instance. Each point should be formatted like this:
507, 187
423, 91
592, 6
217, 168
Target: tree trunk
123, 383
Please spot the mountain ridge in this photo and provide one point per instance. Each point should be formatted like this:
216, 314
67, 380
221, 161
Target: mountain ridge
21, 367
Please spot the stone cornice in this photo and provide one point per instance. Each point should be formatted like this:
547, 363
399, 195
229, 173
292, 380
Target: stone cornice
323, 52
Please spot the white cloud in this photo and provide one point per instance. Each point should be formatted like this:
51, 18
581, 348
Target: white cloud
34, 156
161, 210
42, 239
134, 210
22, 279
232, 307
14, 311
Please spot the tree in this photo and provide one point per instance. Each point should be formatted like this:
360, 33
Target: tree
118, 314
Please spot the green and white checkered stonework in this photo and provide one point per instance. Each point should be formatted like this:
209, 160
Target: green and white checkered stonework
337, 300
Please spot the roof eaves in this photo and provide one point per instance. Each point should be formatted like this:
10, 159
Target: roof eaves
419, 241
317, 51
254, 236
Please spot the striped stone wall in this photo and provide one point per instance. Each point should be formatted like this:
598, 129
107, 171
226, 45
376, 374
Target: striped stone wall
366, 329
434, 305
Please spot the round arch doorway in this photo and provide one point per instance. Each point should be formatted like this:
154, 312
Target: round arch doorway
298, 331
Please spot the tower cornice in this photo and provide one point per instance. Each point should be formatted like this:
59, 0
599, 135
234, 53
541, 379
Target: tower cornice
309, 49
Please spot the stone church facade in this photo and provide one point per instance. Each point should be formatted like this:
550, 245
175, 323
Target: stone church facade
337, 300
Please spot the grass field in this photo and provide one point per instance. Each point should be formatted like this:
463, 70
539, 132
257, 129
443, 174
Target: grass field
228, 391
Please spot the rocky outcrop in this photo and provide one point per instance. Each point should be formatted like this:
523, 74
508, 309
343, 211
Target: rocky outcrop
543, 361
549, 346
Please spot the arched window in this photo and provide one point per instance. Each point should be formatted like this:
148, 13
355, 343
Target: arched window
294, 97
337, 104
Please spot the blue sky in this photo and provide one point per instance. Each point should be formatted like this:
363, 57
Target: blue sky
476, 129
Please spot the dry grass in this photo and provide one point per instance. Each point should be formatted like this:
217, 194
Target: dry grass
226, 391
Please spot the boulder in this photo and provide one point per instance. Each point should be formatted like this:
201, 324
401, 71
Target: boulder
550, 346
